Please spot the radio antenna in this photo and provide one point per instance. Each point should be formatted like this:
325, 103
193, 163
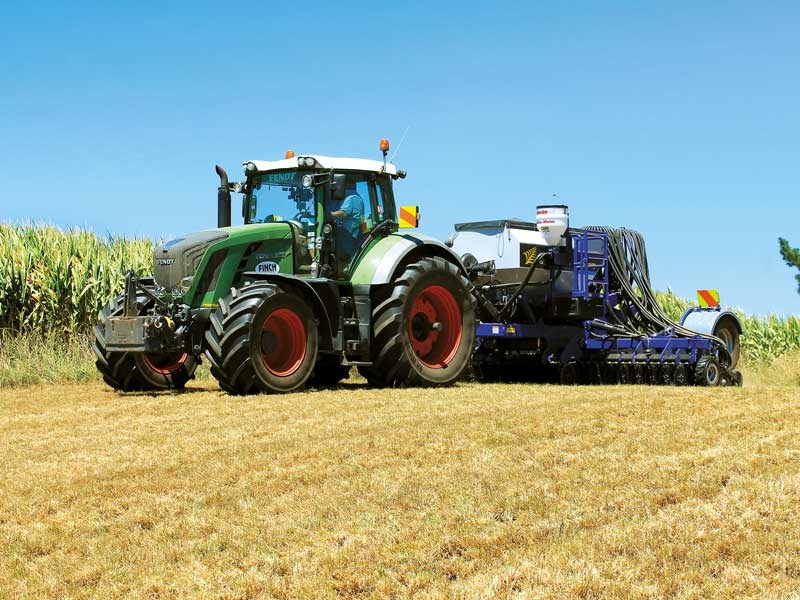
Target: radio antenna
391, 158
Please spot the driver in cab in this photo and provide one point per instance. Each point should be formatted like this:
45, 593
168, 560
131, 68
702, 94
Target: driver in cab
349, 217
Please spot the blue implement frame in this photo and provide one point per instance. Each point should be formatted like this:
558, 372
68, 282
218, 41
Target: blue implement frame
597, 338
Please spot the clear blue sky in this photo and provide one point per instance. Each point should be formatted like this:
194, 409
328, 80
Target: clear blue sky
679, 119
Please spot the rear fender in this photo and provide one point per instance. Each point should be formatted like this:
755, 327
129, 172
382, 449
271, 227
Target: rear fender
323, 299
384, 261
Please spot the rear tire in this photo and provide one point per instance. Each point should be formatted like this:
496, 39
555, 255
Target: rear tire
262, 339
138, 371
423, 333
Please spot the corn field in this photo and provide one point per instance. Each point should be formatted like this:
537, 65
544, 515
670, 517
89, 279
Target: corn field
54, 281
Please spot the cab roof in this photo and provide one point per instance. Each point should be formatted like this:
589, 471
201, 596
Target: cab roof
327, 162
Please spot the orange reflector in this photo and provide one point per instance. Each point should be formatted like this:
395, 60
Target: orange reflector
708, 298
384, 145
289, 154
408, 217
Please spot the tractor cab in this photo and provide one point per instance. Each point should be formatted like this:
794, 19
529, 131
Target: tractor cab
335, 206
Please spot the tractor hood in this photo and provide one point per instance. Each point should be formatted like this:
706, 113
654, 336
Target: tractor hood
181, 257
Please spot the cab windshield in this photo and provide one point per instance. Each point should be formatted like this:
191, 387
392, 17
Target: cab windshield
280, 196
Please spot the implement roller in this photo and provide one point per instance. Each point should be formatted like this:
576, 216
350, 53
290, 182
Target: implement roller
575, 305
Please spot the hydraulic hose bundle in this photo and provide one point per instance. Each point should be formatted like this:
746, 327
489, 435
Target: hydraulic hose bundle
638, 310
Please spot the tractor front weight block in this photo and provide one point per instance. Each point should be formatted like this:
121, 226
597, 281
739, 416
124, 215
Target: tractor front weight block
155, 332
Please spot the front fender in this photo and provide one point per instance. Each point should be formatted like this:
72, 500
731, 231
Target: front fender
382, 261
323, 298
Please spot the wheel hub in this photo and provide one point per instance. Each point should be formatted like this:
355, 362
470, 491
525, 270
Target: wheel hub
435, 326
423, 327
283, 342
268, 343
165, 364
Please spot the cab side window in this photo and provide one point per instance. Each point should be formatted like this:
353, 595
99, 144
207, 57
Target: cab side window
380, 204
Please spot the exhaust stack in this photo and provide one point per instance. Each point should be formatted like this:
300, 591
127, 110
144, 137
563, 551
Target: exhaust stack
223, 199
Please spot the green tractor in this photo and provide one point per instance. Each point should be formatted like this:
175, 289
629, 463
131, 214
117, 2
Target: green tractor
317, 280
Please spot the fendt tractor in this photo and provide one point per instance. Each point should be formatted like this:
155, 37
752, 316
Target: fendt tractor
317, 280
320, 279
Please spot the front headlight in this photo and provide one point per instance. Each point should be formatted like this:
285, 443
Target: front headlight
186, 283
308, 180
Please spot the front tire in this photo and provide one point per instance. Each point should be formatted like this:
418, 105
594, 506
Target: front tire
262, 339
423, 334
138, 371
166, 371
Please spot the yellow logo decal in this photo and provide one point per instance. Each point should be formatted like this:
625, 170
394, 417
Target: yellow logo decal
530, 256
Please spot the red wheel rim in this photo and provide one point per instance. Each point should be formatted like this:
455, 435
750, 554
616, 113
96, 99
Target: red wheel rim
165, 364
283, 342
434, 326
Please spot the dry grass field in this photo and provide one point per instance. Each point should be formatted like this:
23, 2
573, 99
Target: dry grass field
474, 491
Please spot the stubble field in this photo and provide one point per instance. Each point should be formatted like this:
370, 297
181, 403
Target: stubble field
486, 491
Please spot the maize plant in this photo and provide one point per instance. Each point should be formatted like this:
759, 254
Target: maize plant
56, 281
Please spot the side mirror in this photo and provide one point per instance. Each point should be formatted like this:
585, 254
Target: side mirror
338, 187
